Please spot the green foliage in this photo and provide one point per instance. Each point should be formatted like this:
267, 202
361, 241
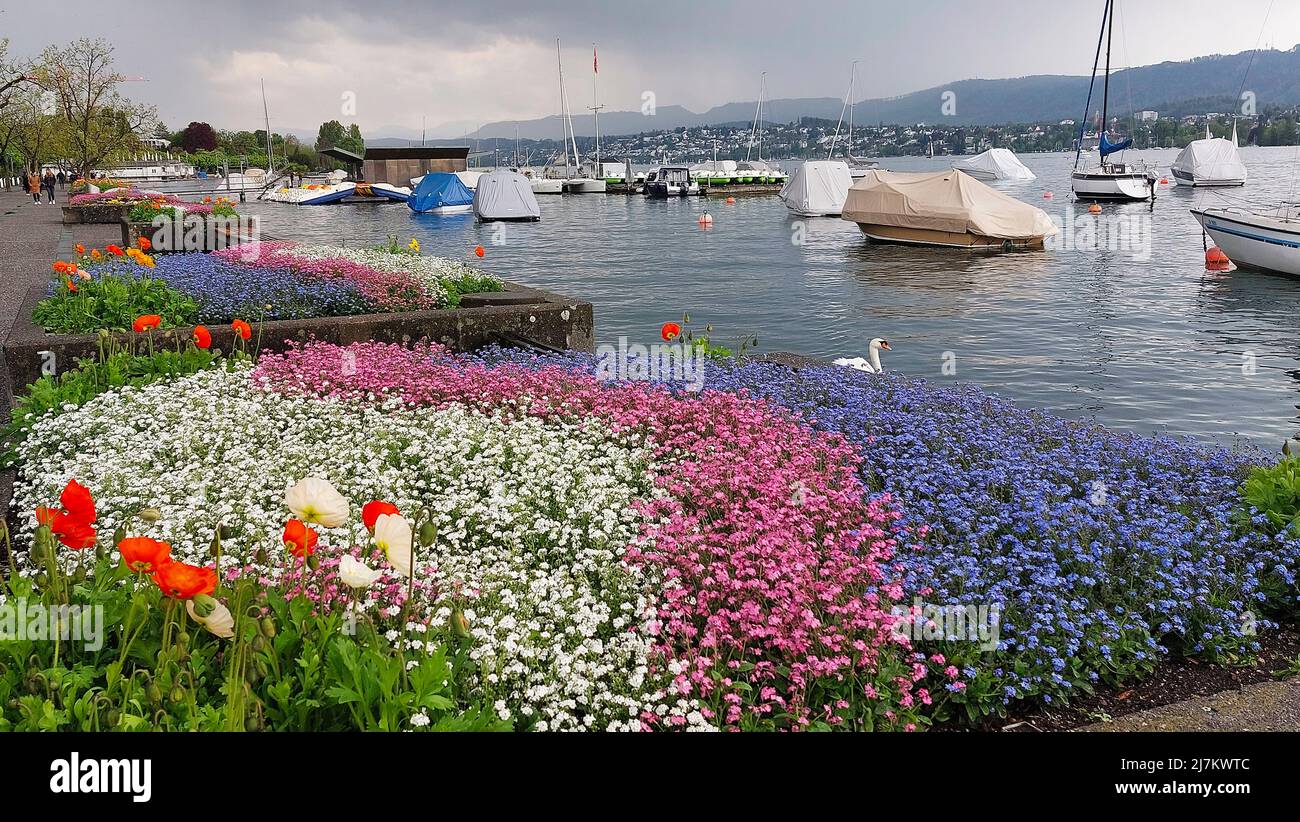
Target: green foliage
704, 345
288, 665
112, 302
1274, 491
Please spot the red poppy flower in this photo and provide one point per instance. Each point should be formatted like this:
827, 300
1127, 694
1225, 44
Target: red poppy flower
478, 249
373, 510
78, 502
113, 249
299, 539
45, 516
144, 244
202, 337
59, 266
145, 322
72, 532
142, 554
243, 329
181, 581
670, 331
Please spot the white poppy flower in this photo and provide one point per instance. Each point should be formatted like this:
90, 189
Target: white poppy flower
356, 574
219, 623
314, 500
393, 537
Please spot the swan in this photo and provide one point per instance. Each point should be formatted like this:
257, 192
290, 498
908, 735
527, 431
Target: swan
872, 363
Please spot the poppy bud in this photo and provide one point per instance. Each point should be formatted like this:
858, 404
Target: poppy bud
253, 723
182, 640
149, 514
428, 534
260, 556
114, 715
214, 547
259, 643
177, 695
154, 693
36, 553
251, 675
226, 532
204, 605
42, 579
79, 575
268, 627
101, 551
119, 534
459, 624
313, 562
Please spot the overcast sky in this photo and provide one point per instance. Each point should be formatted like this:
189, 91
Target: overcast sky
461, 64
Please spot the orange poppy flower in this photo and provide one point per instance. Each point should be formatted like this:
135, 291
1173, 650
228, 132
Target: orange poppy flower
81, 249
144, 244
114, 250
179, 580
70, 285
96, 255
72, 532
145, 322
202, 337
59, 266
299, 539
78, 502
143, 554
371, 511
243, 329
45, 515
478, 249
670, 331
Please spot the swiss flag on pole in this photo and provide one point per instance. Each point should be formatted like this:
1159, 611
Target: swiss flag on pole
595, 64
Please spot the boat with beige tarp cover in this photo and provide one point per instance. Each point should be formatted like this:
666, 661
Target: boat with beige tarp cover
943, 208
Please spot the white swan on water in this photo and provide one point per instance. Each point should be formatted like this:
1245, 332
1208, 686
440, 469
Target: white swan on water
872, 362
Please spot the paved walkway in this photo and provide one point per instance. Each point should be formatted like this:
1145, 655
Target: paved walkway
1264, 706
31, 237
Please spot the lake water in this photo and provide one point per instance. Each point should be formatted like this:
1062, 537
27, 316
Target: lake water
1144, 339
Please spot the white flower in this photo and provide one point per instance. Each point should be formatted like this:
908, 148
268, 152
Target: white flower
219, 623
393, 537
314, 500
356, 574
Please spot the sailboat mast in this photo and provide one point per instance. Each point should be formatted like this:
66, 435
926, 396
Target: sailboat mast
595, 110
1105, 87
1092, 82
266, 113
753, 131
564, 123
848, 148
762, 88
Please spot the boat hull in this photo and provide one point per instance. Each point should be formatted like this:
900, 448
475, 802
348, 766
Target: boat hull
944, 239
585, 186
1100, 186
547, 186
1252, 241
449, 209
1184, 178
389, 192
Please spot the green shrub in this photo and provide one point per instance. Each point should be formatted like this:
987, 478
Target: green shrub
1274, 491
113, 303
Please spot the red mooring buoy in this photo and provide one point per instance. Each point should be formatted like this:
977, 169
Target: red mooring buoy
1216, 260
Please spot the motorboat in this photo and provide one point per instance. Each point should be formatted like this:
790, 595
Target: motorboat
994, 165
441, 193
1213, 161
671, 181
817, 188
1253, 239
505, 195
943, 208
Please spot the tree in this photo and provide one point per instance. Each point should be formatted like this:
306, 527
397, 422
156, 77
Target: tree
96, 120
198, 137
330, 135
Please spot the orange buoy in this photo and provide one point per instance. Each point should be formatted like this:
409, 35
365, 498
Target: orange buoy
1216, 260
1047, 195
731, 200
478, 249
1094, 209
706, 219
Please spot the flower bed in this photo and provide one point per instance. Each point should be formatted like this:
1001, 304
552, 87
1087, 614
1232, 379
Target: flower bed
610, 556
266, 281
112, 206
1103, 551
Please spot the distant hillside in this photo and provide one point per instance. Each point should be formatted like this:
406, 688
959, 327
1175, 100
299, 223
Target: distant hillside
1171, 88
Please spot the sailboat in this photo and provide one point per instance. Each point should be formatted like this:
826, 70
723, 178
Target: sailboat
757, 170
1108, 180
858, 167
574, 182
1210, 162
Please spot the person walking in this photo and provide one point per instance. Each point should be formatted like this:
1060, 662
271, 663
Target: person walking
63, 179
34, 186
47, 183
27, 189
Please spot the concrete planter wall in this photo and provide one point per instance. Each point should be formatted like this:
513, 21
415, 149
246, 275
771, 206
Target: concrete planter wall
517, 313
97, 213
218, 237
